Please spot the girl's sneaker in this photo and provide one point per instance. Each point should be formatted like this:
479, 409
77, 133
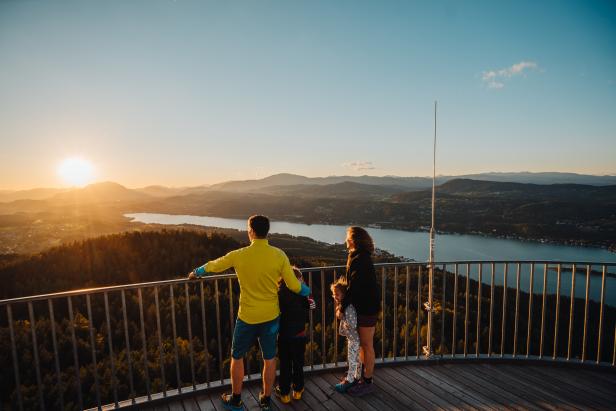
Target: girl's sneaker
229, 404
344, 385
284, 398
297, 394
265, 403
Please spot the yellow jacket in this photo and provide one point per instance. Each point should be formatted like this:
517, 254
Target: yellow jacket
258, 267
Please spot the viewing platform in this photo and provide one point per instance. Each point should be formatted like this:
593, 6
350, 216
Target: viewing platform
465, 385
499, 334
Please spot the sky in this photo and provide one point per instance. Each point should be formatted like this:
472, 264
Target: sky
185, 93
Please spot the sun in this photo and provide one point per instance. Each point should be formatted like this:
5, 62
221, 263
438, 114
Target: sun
76, 171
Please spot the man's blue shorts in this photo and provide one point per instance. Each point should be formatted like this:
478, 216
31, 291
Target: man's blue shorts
245, 334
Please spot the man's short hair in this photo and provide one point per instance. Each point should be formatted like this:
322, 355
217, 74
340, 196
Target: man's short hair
260, 225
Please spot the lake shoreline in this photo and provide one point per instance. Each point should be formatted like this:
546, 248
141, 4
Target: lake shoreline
571, 243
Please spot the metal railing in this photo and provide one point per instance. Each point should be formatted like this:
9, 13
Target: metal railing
119, 346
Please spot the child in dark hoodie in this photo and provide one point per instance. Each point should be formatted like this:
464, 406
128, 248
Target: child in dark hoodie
292, 341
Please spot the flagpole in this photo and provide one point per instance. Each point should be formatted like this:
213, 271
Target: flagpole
427, 349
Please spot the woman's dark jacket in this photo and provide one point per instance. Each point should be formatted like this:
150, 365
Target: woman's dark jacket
362, 290
293, 312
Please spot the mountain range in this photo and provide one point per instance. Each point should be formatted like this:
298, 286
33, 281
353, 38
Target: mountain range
292, 184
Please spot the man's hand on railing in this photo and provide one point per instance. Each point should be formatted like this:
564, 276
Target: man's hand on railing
311, 303
196, 273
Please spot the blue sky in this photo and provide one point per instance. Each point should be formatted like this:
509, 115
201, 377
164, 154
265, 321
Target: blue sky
184, 93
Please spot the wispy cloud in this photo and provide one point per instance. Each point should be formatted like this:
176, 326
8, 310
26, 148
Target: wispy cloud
495, 79
359, 165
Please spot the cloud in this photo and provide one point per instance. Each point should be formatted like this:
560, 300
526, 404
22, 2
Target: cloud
495, 79
360, 165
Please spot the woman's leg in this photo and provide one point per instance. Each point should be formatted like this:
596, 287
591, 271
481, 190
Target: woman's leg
366, 354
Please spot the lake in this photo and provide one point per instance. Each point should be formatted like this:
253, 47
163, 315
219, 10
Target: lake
448, 247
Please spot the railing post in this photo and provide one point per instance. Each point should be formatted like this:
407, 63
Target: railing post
144, 344
517, 310
56, 355
218, 333
455, 309
571, 307
545, 286
160, 343
601, 315
190, 337
205, 341
490, 328
479, 289
128, 351
9, 313
114, 382
383, 314
395, 333
504, 317
406, 314
37, 368
558, 276
323, 325
71, 320
335, 328
93, 346
466, 309
443, 302
530, 309
427, 349
311, 321
418, 311
586, 313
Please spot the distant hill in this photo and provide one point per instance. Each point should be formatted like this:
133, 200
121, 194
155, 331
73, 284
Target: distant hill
345, 189
100, 193
34, 194
542, 178
519, 191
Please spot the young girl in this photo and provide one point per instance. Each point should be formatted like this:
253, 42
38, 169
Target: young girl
347, 328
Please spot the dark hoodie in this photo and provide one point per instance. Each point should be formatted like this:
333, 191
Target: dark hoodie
362, 290
293, 312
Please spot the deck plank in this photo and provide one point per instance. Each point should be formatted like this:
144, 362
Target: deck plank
555, 387
415, 393
481, 400
481, 382
450, 391
544, 399
429, 391
469, 386
578, 381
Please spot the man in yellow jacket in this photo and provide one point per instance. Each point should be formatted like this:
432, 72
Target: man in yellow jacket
259, 267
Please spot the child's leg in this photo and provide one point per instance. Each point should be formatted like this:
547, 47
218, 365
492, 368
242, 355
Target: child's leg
354, 372
284, 354
299, 347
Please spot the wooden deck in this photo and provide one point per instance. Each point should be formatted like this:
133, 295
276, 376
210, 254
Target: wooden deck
445, 386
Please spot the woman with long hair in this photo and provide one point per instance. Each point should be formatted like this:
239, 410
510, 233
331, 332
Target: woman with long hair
363, 293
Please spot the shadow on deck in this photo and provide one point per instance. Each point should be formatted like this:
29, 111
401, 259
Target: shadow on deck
443, 386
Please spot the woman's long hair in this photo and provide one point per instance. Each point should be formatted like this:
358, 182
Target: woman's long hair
361, 239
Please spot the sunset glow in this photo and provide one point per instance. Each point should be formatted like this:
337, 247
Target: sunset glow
76, 171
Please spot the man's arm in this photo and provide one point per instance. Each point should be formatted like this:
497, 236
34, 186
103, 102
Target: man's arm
214, 266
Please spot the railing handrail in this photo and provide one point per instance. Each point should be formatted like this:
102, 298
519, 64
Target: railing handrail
134, 286
580, 343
